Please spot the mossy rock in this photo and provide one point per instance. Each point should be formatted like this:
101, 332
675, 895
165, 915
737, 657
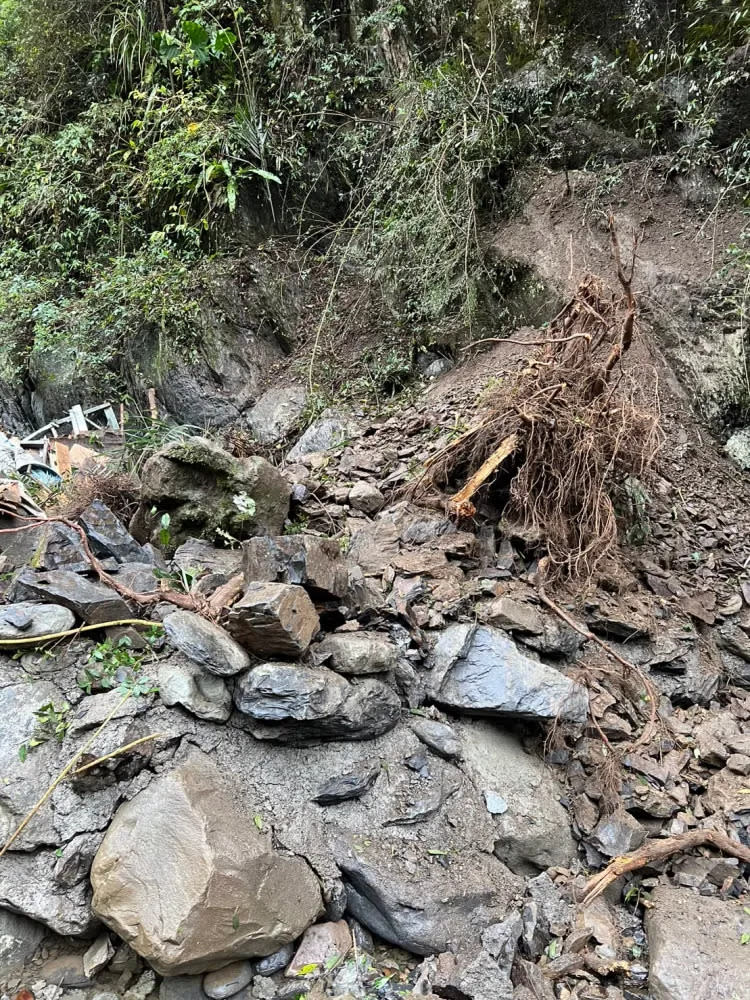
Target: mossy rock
197, 483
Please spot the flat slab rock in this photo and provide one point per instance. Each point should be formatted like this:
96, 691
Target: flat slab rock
27, 620
89, 599
695, 946
480, 670
184, 877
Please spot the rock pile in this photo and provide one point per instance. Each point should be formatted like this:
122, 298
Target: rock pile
352, 747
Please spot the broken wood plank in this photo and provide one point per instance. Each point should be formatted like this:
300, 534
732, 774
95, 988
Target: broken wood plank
460, 503
62, 458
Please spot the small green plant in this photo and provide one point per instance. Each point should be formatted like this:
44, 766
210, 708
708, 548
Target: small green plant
51, 723
164, 533
181, 578
298, 526
110, 664
245, 505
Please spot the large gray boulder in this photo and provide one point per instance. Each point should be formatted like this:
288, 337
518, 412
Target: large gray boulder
696, 946
205, 491
184, 877
331, 430
481, 671
533, 831
292, 703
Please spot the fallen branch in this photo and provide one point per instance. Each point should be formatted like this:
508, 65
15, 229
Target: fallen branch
527, 343
37, 639
658, 850
460, 503
188, 602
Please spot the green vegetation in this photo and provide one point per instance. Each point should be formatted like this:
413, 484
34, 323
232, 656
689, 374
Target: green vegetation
141, 141
51, 723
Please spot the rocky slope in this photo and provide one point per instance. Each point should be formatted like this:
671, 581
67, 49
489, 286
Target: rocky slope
376, 765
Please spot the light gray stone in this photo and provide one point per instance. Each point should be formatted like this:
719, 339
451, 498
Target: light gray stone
19, 940
98, 956
480, 670
182, 682
182, 988
277, 412
217, 893
205, 643
227, 981
27, 620
438, 736
366, 497
331, 430
357, 653
695, 946
534, 831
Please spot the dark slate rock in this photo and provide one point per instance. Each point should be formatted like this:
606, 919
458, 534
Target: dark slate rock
294, 704
272, 964
439, 737
480, 671
351, 785
617, 834
108, 536
91, 601
274, 619
205, 643
45, 546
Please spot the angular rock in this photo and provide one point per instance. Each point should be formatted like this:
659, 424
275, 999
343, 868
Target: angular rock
274, 619
182, 682
306, 560
198, 554
97, 956
108, 537
351, 785
357, 653
28, 886
138, 576
534, 832
227, 981
19, 940
205, 643
219, 893
695, 946
90, 600
617, 833
479, 670
322, 945
294, 704
202, 487
277, 413
439, 737
514, 616
28, 620
43, 547
366, 497
329, 431
475, 976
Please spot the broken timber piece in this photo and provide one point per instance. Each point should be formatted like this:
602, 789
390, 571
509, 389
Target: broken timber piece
460, 503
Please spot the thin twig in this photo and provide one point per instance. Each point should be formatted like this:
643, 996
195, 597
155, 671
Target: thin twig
527, 343
37, 639
115, 753
61, 776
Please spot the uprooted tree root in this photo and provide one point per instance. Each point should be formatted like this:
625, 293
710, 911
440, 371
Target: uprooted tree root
563, 431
